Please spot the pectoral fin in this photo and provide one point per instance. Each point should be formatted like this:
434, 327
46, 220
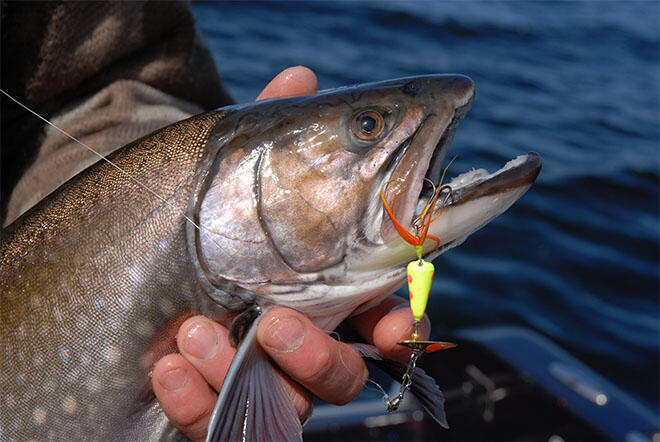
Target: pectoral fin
423, 386
253, 404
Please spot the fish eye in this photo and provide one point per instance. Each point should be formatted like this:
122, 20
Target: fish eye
367, 126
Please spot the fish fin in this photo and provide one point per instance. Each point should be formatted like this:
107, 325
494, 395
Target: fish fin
366, 350
253, 404
423, 386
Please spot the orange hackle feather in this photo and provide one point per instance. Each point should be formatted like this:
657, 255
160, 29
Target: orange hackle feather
427, 215
410, 238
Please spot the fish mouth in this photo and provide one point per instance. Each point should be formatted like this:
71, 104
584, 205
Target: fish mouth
474, 198
465, 203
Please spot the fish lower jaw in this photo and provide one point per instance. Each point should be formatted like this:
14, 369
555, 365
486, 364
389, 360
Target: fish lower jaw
458, 222
518, 172
495, 192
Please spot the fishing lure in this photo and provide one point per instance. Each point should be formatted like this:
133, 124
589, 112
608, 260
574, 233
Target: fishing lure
420, 277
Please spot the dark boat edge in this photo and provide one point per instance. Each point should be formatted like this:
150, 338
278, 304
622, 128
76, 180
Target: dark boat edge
502, 382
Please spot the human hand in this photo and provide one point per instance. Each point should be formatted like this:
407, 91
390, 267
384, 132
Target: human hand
186, 384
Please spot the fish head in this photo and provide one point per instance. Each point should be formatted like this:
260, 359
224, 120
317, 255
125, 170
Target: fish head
290, 211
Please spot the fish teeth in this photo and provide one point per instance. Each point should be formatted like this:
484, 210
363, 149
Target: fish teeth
477, 174
468, 177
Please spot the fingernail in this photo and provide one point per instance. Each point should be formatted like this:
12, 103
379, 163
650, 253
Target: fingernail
174, 380
201, 341
285, 334
399, 307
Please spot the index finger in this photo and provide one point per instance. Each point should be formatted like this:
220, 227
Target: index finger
291, 82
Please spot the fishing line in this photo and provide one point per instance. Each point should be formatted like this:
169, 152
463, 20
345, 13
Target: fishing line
101, 156
378, 389
341, 355
227, 247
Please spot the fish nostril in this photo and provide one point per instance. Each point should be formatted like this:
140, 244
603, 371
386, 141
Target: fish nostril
412, 88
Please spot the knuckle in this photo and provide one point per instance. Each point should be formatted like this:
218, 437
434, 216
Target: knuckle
191, 419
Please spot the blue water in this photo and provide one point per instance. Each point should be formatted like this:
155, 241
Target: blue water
577, 258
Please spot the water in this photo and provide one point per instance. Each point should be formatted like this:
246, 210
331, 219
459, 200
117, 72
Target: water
577, 258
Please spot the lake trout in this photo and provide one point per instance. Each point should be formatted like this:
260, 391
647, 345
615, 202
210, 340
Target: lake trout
270, 203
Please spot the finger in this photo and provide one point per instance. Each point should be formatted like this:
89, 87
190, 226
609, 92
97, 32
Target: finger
291, 82
387, 324
331, 370
205, 344
184, 395
301, 399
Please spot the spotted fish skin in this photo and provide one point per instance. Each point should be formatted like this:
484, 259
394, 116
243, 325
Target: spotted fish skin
85, 293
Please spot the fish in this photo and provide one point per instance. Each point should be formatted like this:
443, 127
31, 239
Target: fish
273, 203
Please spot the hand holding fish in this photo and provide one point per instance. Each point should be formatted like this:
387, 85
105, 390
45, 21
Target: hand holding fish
186, 384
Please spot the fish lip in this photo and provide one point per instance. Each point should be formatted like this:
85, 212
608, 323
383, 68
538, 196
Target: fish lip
518, 172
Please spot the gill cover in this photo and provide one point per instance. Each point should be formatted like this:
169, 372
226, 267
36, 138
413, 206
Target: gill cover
290, 188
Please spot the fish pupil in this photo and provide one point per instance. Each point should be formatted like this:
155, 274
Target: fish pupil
368, 124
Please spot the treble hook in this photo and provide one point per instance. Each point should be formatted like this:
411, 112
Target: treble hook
419, 220
450, 194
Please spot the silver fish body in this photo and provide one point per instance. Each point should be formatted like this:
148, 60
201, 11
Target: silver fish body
268, 203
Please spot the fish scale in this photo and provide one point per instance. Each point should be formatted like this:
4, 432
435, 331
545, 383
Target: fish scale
90, 280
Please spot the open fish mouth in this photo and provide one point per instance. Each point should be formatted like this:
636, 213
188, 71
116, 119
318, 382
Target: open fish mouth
465, 202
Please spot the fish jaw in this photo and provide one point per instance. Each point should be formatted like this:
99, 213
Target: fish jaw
477, 197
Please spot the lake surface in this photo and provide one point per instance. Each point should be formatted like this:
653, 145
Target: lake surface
577, 258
